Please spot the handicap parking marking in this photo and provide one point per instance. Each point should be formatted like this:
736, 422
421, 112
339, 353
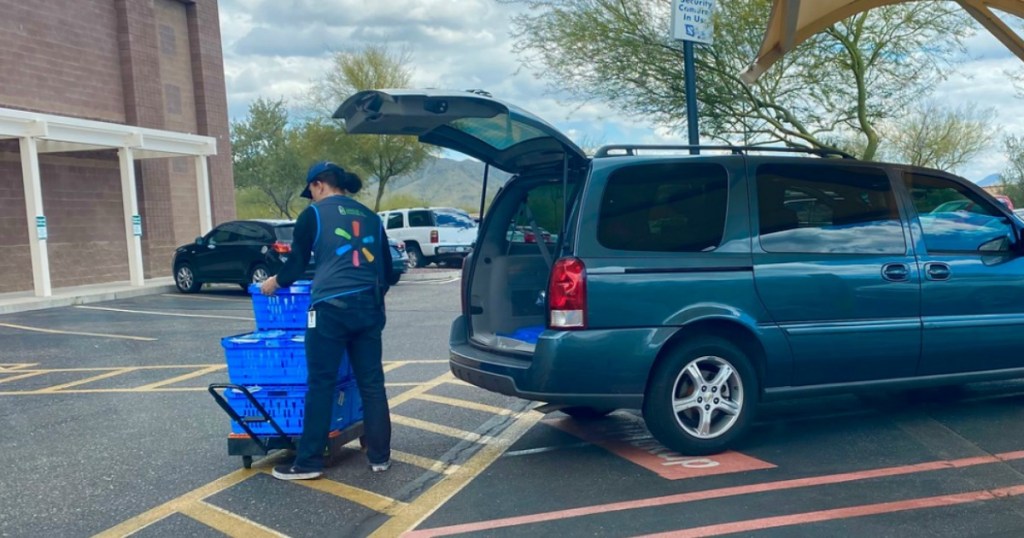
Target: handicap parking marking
756, 488
77, 333
626, 436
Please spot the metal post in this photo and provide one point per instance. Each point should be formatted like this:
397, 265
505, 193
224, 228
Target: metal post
36, 219
132, 220
203, 193
690, 72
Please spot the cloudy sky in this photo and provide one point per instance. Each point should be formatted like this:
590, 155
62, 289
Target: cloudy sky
274, 48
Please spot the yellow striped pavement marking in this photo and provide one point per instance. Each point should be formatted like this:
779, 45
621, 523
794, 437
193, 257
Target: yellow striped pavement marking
432, 499
183, 377
226, 522
436, 466
77, 333
369, 499
56, 388
171, 314
465, 404
435, 428
24, 375
15, 366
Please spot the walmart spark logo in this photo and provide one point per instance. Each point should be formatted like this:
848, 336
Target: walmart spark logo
356, 246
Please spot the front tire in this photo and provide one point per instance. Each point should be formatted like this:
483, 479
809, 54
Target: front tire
185, 279
701, 398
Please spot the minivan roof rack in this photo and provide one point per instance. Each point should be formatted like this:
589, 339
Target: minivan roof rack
631, 149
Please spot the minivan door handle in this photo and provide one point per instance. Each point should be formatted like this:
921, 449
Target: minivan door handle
937, 271
896, 272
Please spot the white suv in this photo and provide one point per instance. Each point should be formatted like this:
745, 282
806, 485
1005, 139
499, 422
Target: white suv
442, 235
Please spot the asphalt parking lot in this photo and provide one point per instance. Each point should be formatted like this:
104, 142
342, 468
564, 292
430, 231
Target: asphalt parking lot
108, 430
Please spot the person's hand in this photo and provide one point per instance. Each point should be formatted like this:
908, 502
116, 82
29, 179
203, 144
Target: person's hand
269, 286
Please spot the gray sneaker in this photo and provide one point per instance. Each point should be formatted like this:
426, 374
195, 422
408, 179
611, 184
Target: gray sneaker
380, 467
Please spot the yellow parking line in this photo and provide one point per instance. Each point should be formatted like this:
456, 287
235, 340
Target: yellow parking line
171, 381
436, 466
435, 428
56, 388
432, 499
369, 499
13, 367
104, 391
226, 522
77, 333
418, 388
147, 312
23, 376
389, 366
466, 404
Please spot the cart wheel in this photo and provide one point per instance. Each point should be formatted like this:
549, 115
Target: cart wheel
247, 462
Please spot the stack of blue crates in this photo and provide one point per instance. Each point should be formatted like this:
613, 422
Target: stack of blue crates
271, 364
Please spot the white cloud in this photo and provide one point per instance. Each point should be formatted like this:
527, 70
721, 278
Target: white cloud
274, 48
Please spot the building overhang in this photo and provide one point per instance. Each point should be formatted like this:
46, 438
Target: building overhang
61, 133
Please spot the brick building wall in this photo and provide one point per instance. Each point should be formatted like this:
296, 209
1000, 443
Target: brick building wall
150, 63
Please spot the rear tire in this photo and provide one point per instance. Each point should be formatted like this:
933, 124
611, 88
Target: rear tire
579, 412
702, 397
415, 255
258, 274
185, 279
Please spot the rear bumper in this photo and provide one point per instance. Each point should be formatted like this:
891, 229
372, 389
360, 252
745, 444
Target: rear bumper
452, 251
560, 371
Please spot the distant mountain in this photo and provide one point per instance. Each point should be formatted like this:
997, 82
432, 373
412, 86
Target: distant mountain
446, 182
991, 180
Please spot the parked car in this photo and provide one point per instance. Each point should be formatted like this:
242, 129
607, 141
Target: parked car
399, 261
441, 235
238, 252
694, 287
1005, 200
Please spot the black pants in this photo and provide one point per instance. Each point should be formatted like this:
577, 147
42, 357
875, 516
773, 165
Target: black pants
349, 323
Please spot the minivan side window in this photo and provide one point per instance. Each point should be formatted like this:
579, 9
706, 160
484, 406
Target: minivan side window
394, 221
955, 219
664, 207
827, 210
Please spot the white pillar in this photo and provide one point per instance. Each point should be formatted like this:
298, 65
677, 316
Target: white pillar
132, 220
36, 219
203, 193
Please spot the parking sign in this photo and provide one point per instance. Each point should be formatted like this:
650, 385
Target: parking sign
691, 20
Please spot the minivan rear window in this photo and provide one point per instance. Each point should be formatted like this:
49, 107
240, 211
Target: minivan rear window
664, 207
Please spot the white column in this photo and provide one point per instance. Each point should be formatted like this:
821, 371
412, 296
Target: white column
132, 221
35, 216
203, 193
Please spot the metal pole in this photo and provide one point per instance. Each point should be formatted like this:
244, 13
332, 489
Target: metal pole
690, 72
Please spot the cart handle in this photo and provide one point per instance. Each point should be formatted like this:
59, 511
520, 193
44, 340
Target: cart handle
219, 398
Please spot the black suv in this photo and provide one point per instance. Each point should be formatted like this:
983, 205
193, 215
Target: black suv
238, 252
695, 287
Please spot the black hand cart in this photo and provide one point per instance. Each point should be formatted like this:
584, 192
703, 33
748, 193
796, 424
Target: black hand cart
250, 444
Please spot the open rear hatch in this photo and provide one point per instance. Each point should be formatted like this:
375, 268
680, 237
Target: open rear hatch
508, 272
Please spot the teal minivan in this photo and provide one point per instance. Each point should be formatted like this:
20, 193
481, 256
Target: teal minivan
694, 287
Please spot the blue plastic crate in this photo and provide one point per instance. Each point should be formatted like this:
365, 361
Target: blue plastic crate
286, 405
275, 357
284, 310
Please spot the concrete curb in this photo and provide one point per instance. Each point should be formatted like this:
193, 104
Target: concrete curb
77, 297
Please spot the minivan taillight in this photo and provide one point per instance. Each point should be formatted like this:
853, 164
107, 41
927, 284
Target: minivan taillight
281, 247
567, 295
433, 236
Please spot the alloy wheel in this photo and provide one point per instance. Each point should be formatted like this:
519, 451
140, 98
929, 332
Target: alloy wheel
707, 397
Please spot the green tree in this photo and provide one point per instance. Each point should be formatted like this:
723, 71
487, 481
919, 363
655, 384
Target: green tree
1013, 175
938, 137
264, 156
382, 157
834, 89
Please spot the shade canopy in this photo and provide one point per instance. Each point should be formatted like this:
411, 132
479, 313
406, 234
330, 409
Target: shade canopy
793, 21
